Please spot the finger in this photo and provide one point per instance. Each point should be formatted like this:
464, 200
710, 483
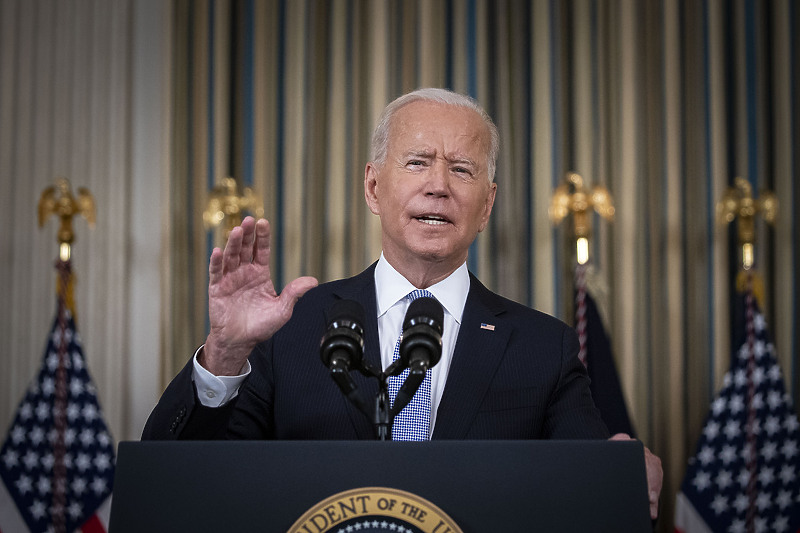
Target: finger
655, 474
653, 496
261, 249
655, 479
248, 237
215, 267
230, 257
294, 290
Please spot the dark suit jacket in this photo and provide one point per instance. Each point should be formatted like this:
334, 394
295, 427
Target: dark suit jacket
522, 380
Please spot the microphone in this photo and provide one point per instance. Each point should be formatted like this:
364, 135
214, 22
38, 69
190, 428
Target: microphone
420, 349
342, 345
421, 346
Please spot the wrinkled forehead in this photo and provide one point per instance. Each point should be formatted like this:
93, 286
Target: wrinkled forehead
456, 131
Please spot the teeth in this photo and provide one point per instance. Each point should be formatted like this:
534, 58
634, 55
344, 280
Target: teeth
433, 220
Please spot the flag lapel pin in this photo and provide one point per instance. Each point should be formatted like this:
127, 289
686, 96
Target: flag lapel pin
489, 327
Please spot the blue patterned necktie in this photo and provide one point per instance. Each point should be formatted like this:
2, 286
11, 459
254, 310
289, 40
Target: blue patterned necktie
414, 421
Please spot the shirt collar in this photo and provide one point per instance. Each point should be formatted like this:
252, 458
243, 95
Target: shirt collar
391, 286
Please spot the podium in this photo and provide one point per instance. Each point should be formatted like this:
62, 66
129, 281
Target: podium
483, 486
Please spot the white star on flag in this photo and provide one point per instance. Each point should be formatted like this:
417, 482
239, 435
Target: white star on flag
29, 468
717, 493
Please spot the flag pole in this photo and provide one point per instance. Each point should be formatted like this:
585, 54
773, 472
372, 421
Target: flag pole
58, 200
738, 203
743, 476
573, 198
57, 460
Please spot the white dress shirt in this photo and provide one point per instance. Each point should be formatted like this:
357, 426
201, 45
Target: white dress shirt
391, 288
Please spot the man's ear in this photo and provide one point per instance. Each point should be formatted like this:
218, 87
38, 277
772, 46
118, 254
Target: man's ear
371, 188
487, 210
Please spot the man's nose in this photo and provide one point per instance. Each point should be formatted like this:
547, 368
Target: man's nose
438, 182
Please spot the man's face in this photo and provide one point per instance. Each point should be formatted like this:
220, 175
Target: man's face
432, 193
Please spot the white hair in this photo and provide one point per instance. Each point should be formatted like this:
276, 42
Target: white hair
380, 137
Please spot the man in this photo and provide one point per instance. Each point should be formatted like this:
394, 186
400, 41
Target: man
507, 371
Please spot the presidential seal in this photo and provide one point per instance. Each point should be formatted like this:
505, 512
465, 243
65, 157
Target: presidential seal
375, 509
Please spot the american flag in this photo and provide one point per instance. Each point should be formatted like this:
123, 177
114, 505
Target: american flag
744, 475
57, 462
595, 352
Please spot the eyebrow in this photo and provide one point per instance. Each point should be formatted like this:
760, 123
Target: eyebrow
425, 154
461, 161
428, 154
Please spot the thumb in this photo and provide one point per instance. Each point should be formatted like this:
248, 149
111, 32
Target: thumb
295, 289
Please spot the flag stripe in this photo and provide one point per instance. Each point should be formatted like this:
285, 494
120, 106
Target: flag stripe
57, 461
103, 513
744, 474
686, 517
93, 525
98, 523
10, 519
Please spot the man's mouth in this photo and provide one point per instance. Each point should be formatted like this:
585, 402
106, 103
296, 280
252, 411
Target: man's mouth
433, 220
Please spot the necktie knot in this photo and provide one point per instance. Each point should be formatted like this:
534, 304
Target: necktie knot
418, 293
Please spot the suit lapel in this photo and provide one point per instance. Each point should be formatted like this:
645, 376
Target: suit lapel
361, 289
478, 351
477, 354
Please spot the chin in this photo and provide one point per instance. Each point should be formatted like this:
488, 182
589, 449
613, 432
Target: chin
436, 255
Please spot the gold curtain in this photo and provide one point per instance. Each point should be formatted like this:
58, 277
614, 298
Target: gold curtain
662, 102
81, 87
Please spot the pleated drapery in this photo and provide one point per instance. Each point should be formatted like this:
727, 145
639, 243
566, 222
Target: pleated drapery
663, 102
81, 97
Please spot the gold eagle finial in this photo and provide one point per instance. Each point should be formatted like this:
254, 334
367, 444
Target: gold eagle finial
738, 201
226, 205
572, 196
58, 200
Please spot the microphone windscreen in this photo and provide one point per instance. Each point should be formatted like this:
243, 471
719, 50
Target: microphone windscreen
345, 310
343, 341
424, 310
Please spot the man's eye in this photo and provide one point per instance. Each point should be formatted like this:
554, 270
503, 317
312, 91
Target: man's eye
462, 170
415, 162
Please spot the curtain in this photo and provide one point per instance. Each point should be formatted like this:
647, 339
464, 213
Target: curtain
150, 104
80, 98
664, 103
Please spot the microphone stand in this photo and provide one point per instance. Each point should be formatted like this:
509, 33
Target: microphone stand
379, 412
381, 419
345, 339
382, 413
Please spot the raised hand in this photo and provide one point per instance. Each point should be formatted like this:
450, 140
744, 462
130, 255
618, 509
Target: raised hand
243, 307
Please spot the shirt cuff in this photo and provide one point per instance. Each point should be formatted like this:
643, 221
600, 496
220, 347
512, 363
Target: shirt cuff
216, 391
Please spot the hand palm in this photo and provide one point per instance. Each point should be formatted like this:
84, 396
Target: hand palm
243, 306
